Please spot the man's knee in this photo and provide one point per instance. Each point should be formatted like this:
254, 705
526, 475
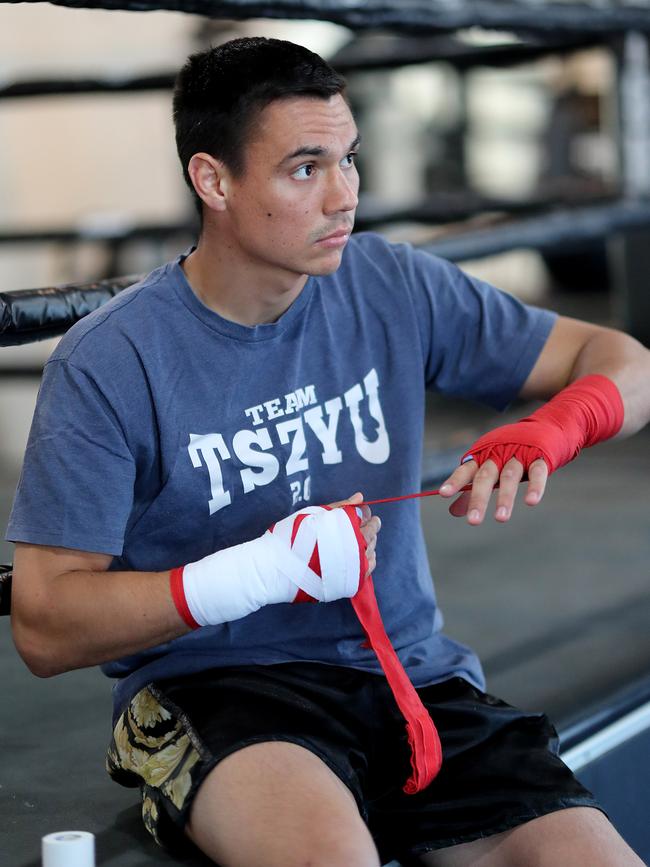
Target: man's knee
276, 803
340, 854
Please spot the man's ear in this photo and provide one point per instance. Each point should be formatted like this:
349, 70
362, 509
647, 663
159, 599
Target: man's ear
210, 179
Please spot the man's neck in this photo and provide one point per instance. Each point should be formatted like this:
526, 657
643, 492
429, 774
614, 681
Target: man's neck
237, 290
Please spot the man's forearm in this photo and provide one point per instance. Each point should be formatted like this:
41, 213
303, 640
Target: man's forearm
627, 363
575, 349
69, 611
83, 618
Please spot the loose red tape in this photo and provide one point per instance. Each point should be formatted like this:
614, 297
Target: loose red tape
423, 739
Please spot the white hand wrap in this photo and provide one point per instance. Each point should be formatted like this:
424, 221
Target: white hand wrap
236, 581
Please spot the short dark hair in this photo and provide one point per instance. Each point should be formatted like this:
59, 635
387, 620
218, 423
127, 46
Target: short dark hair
220, 92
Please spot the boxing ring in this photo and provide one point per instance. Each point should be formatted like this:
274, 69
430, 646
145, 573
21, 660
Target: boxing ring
53, 776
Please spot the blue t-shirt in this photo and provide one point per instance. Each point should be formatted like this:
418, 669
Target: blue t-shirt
164, 432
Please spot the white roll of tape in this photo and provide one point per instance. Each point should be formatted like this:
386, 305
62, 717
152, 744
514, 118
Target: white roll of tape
68, 849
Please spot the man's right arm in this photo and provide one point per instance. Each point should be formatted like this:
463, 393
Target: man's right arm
69, 612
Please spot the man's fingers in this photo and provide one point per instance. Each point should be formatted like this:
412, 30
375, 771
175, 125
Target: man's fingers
370, 525
351, 501
370, 529
459, 507
366, 515
369, 533
485, 479
461, 476
509, 480
537, 478
474, 503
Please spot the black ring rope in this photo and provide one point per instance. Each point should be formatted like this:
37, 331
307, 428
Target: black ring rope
438, 208
599, 16
103, 234
560, 230
370, 51
35, 314
367, 52
38, 87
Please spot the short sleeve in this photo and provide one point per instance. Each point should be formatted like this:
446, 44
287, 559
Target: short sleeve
479, 343
76, 484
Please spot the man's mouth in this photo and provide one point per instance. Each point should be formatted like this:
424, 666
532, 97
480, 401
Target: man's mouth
337, 238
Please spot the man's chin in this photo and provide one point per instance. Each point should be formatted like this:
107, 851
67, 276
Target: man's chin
325, 265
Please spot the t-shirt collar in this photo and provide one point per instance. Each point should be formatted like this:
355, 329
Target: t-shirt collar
226, 327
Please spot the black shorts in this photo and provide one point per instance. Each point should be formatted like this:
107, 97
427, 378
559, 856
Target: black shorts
500, 765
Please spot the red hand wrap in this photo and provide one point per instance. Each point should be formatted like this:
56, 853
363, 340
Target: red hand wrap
584, 413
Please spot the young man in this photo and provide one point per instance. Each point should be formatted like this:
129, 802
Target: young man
276, 366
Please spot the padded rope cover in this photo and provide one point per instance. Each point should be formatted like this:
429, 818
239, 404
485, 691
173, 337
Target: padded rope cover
35, 314
6, 575
602, 16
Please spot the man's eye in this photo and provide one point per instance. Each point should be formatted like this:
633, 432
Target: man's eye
304, 172
348, 159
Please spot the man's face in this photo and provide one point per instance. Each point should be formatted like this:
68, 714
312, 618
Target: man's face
291, 211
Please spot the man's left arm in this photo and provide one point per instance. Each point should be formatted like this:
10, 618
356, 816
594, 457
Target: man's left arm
574, 349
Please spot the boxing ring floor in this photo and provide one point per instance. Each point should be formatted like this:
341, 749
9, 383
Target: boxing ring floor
557, 603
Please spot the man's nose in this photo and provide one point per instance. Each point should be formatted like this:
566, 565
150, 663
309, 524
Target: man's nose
342, 192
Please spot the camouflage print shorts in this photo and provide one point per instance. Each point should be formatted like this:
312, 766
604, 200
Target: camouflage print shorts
155, 747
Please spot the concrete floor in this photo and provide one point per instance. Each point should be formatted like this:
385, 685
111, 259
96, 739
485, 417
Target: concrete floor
557, 602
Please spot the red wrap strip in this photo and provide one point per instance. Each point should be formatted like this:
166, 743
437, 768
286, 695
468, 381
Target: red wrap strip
178, 595
426, 750
409, 496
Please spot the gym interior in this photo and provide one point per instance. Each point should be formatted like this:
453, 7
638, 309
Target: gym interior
513, 139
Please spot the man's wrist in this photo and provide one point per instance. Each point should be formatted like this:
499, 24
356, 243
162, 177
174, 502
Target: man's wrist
584, 413
274, 568
178, 597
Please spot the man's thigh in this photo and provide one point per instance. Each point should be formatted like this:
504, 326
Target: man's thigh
267, 753
575, 837
276, 803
